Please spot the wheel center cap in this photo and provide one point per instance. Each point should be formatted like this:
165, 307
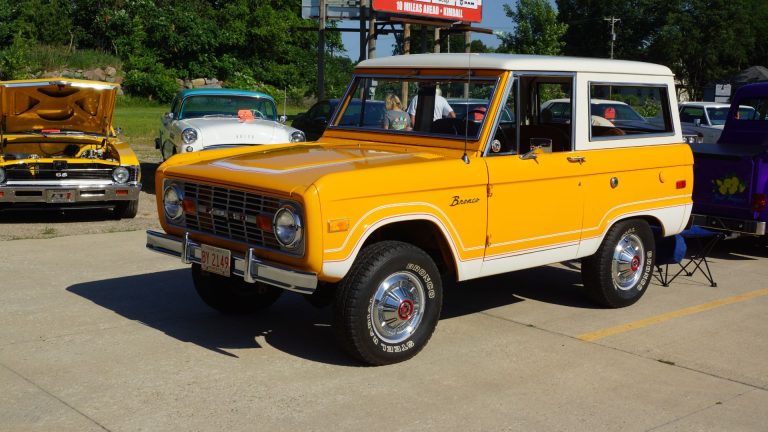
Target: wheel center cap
405, 310
635, 264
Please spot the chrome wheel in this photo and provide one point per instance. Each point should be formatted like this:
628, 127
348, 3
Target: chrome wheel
398, 307
628, 262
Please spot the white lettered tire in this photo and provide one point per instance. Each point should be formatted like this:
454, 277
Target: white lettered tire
388, 305
618, 274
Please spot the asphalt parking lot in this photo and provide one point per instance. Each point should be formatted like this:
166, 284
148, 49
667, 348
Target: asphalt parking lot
96, 333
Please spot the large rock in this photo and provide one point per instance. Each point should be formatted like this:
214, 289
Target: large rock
97, 74
110, 71
198, 82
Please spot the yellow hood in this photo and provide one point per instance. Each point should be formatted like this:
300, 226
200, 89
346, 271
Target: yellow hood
57, 103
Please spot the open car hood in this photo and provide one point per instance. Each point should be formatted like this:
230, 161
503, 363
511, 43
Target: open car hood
57, 103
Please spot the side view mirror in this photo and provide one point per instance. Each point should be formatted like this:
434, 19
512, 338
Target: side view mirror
283, 118
167, 117
697, 122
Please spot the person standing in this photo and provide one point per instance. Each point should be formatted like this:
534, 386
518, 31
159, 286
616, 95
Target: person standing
442, 107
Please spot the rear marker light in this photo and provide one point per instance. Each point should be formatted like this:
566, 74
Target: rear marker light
680, 184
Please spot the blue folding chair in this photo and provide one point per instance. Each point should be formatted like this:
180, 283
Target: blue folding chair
672, 250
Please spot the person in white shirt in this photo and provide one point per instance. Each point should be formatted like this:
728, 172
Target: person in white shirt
442, 107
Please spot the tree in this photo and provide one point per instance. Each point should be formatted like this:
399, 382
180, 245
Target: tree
537, 30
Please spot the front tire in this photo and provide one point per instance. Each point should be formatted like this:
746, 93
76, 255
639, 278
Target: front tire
126, 209
618, 274
233, 296
388, 305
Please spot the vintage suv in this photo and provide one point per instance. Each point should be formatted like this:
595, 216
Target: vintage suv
58, 148
378, 220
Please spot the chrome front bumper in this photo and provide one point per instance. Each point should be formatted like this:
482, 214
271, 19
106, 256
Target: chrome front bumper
82, 191
742, 226
248, 267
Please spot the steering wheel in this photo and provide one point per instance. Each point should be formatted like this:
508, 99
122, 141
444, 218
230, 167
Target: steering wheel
258, 114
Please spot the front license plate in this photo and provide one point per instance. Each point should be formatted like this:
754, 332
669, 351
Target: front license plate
215, 260
60, 196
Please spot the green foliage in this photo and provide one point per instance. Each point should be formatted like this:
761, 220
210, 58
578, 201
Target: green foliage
536, 29
146, 77
13, 60
53, 57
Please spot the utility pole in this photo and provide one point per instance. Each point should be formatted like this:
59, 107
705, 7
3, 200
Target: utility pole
613, 21
321, 54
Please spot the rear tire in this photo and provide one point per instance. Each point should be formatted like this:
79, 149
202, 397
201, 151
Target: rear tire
388, 305
618, 274
233, 295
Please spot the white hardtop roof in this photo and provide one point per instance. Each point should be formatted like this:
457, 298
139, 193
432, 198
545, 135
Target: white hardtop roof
517, 62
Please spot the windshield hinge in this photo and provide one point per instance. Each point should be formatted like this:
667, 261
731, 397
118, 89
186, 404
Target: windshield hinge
489, 190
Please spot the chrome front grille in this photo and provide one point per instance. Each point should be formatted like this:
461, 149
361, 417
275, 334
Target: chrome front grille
231, 214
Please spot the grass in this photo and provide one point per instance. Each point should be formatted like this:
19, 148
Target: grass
139, 120
47, 58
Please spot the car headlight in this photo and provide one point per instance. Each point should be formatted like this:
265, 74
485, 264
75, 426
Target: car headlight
121, 174
173, 196
287, 227
189, 135
2, 175
689, 139
298, 136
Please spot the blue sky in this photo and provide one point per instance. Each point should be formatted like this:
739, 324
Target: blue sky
493, 18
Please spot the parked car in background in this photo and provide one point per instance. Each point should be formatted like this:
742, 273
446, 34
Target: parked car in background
708, 118
315, 120
202, 119
615, 113
58, 149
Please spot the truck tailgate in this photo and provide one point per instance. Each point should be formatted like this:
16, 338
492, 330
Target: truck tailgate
725, 179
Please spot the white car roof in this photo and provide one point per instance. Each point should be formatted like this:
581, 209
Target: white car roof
594, 101
517, 62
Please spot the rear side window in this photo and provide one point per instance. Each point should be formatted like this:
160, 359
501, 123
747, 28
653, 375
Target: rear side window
629, 110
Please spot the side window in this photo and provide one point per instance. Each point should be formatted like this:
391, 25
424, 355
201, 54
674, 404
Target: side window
691, 114
629, 110
176, 107
545, 113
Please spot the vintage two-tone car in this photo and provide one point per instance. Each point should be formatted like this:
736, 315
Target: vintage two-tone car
58, 148
202, 119
376, 220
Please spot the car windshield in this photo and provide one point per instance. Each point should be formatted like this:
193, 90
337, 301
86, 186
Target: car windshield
420, 105
717, 116
228, 106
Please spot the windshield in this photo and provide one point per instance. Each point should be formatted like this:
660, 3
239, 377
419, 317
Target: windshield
451, 107
227, 106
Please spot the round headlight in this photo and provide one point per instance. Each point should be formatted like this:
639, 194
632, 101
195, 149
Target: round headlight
298, 136
172, 202
2, 175
121, 174
189, 135
287, 227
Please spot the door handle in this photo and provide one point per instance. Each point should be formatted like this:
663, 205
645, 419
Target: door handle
579, 159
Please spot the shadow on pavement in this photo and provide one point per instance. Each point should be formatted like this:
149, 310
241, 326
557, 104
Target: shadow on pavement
41, 214
741, 248
548, 284
167, 301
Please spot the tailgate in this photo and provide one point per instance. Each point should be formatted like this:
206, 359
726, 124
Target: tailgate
723, 185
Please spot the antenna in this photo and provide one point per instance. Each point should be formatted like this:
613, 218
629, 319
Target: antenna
464, 157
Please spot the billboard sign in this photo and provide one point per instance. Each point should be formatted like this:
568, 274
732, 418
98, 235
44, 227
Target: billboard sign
334, 9
452, 10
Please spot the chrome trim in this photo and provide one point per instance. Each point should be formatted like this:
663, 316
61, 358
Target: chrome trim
743, 226
250, 268
90, 192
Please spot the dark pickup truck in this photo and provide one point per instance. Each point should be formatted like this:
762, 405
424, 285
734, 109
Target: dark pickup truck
731, 176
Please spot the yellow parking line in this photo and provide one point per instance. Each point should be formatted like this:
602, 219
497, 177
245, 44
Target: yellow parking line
593, 336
